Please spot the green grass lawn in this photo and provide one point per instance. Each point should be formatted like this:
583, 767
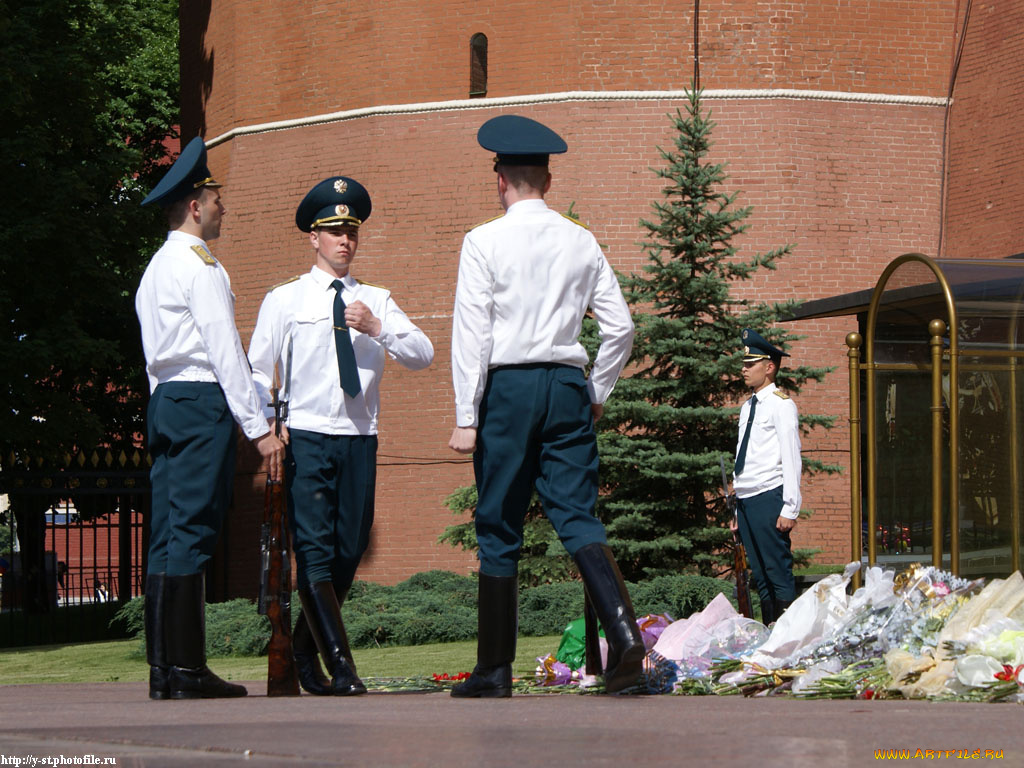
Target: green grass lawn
116, 662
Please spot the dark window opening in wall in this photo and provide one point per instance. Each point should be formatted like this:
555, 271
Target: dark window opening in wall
478, 66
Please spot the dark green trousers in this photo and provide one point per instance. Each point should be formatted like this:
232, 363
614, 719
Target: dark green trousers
192, 442
330, 481
536, 430
769, 551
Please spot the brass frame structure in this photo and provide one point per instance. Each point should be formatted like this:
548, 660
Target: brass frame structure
936, 331
942, 360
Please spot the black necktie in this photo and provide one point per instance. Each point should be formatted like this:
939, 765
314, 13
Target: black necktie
343, 343
741, 458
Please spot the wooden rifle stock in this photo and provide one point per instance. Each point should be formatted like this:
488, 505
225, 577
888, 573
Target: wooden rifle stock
276, 584
739, 569
739, 553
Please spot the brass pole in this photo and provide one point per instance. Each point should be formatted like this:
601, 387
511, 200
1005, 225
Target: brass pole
954, 445
936, 330
1014, 458
871, 453
853, 342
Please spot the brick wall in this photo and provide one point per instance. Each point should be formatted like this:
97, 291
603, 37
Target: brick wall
985, 193
263, 60
850, 182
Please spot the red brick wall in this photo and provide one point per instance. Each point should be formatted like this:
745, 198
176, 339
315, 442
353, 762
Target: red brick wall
851, 184
278, 59
986, 153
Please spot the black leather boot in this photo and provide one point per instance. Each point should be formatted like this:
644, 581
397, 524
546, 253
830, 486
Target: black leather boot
497, 629
607, 592
780, 607
320, 604
156, 647
768, 613
185, 631
311, 676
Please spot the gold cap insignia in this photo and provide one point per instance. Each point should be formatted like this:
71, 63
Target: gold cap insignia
340, 185
746, 350
341, 210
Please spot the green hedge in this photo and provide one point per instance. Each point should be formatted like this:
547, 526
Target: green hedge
436, 607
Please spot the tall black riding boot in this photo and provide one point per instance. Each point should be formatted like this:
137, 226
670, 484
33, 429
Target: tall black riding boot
497, 629
311, 676
185, 630
341, 593
780, 607
768, 611
320, 605
156, 647
608, 595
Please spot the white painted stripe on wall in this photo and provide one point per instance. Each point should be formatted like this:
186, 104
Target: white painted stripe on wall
576, 96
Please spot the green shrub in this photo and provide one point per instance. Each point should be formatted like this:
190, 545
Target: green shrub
435, 607
546, 609
232, 628
678, 596
430, 607
235, 628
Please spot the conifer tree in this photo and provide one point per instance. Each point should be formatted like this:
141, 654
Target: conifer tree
668, 422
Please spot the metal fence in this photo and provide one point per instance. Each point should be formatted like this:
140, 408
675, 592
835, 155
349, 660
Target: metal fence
72, 544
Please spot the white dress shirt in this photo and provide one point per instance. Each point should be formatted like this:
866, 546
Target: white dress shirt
187, 314
295, 330
773, 452
525, 282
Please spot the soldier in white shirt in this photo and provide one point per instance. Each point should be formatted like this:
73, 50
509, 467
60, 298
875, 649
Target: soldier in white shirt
523, 405
330, 334
200, 386
766, 479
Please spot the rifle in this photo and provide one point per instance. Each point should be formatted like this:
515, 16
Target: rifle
739, 554
276, 580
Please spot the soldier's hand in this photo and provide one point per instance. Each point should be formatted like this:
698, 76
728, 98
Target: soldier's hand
272, 450
785, 524
284, 430
359, 316
463, 440
598, 410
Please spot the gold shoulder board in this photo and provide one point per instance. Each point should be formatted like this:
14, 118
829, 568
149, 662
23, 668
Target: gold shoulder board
204, 255
372, 285
576, 221
493, 218
285, 282
780, 393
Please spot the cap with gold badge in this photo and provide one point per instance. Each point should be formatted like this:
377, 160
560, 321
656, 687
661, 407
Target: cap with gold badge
756, 347
188, 174
334, 202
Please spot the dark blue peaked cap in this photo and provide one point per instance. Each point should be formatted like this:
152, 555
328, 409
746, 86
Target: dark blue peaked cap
188, 174
756, 347
519, 140
334, 202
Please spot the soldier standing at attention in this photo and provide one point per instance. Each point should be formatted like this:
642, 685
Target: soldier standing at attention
766, 478
200, 385
523, 406
330, 334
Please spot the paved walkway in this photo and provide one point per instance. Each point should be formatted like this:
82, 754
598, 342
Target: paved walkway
85, 723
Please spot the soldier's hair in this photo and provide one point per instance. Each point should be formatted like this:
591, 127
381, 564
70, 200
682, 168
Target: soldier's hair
177, 211
525, 177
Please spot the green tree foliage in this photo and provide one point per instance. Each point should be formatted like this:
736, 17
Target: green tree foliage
89, 93
542, 559
666, 425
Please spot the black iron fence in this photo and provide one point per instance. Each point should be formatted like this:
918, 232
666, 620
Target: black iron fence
72, 544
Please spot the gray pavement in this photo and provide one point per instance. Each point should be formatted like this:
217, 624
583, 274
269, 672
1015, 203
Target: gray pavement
87, 723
